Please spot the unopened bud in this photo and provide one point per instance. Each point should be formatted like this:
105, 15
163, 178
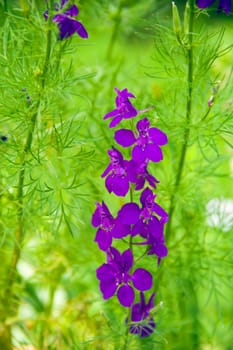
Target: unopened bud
186, 18
176, 21
211, 101
215, 89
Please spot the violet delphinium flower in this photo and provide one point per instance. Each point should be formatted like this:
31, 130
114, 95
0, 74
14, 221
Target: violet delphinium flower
142, 323
149, 226
117, 180
147, 141
115, 277
150, 207
156, 242
223, 5
108, 227
66, 23
124, 108
138, 174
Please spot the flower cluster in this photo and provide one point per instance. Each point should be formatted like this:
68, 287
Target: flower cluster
142, 223
68, 25
223, 5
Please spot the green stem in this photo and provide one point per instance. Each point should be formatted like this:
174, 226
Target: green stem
188, 118
126, 338
5, 6
115, 31
44, 328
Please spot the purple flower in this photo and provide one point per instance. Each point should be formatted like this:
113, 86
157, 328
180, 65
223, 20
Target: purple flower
224, 5
147, 141
115, 277
149, 207
124, 108
3, 138
148, 222
142, 323
156, 243
108, 227
138, 174
66, 23
117, 180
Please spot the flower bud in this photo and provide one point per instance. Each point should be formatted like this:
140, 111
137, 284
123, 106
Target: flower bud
186, 18
176, 21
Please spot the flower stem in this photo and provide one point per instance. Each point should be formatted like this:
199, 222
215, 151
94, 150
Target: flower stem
5, 6
188, 118
126, 338
115, 30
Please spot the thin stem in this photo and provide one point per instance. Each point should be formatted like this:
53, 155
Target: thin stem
188, 118
5, 6
115, 31
129, 310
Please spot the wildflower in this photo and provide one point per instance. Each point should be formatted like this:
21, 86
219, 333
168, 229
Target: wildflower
147, 141
156, 243
124, 108
66, 23
108, 227
142, 323
145, 223
149, 206
117, 180
3, 138
138, 174
224, 5
115, 277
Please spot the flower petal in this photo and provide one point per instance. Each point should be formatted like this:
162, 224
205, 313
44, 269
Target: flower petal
105, 272
126, 260
161, 212
63, 2
138, 154
158, 136
137, 312
80, 29
142, 279
225, 5
124, 137
108, 288
204, 3
153, 152
104, 239
119, 230
155, 227
158, 249
111, 114
117, 184
96, 219
65, 25
129, 214
107, 170
125, 295
72, 11
140, 228
115, 121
